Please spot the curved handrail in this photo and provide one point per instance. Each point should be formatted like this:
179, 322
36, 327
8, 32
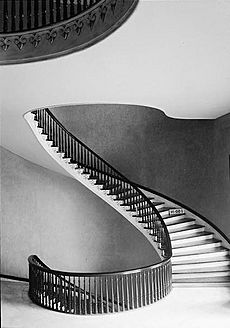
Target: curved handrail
186, 208
33, 259
84, 293
68, 143
28, 15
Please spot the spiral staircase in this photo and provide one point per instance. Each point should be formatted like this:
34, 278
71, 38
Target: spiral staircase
192, 251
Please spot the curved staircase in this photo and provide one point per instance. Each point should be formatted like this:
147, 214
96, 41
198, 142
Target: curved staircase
198, 250
92, 293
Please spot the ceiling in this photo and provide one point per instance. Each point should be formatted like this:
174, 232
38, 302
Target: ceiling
171, 55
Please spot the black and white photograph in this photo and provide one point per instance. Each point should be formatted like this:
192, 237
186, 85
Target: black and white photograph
115, 163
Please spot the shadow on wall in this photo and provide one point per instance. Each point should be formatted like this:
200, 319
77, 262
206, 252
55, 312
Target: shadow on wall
65, 224
184, 159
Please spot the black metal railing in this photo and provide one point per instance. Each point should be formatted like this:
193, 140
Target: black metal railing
106, 175
94, 293
23, 15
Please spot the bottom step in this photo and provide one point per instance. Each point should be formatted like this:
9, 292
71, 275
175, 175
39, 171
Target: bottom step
200, 284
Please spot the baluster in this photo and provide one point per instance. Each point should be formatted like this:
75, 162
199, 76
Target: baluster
36, 13
65, 9
70, 295
127, 291
5, 13
43, 12
72, 8
79, 295
74, 296
106, 295
51, 11
137, 290
117, 293
58, 10
90, 296
101, 296
132, 291
21, 19
95, 295
122, 293
112, 293
85, 299
13, 16
79, 7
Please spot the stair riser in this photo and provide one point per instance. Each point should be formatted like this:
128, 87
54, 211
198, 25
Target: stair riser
185, 242
198, 248
200, 275
186, 233
193, 269
175, 227
174, 219
198, 258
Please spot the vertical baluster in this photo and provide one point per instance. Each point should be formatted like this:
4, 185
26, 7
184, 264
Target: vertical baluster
21, 19
79, 295
29, 14
137, 290
65, 9
101, 295
51, 11
5, 14
36, 13
43, 12
72, 8
58, 10
144, 287
106, 295
74, 296
127, 291
13, 16
79, 7
132, 291
70, 295
122, 293
117, 293
85, 298
90, 296
112, 293
95, 295
141, 289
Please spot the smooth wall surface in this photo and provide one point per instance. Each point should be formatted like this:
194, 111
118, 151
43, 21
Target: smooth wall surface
180, 158
61, 221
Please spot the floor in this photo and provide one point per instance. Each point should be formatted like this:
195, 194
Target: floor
184, 307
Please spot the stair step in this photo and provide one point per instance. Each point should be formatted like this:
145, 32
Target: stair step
148, 205
128, 196
197, 257
192, 284
202, 280
196, 275
198, 246
189, 239
174, 219
121, 190
182, 232
223, 265
183, 223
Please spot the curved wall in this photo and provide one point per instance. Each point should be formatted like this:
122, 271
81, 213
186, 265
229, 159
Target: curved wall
173, 156
61, 221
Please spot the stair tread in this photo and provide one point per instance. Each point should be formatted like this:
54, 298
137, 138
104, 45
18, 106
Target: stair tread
166, 208
217, 251
186, 229
197, 243
187, 238
181, 221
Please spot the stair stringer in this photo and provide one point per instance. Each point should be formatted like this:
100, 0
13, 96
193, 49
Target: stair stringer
89, 184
